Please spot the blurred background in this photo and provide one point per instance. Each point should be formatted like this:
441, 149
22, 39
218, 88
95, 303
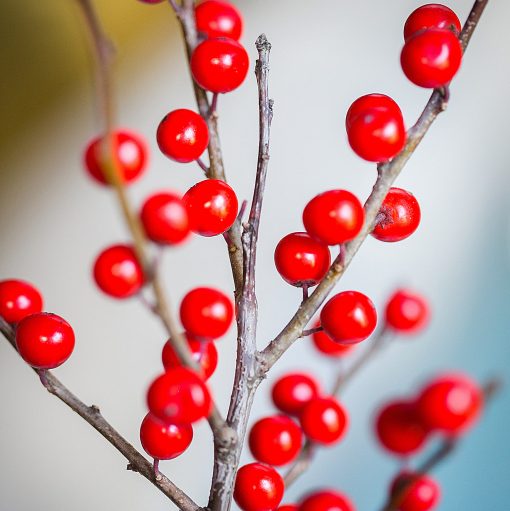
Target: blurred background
53, 222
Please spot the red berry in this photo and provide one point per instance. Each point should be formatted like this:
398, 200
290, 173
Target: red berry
431, 16
334, 217
130, 151
407, 312
275, 440
218, 19
165, 218
349, 317
415, 492
398, 217
44, 340
369, 102
117, 271
219, 65
324, 420
18, 299
212, 207
179, 396
328, 346
431, 58
164, 441
400, 428
288, 507
206, 313
258, 487
182, 135
203, 352
326, 500
293, 391
451, 403
301, 260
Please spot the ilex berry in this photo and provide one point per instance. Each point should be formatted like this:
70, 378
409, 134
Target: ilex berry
369, 102
326, 500
407, 312
415, 492
324, 420
18, 299
431, 16
293, 391
328, 346
215, 18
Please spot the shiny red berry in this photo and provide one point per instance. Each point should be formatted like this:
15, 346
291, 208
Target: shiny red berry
302, 260
212, 207
398, 217
328, 346
293, 391
117, 271
219, 65
431, 16
179, 396
324, 420
44, 340
206, 313
326, 500
258, 487
431, 58
182, 135
275, 440
400, 428
451, 403
218, 19
334, 217
407, 312
165, 218
164, 441
130, 151
369, 102
415, 492
18, 299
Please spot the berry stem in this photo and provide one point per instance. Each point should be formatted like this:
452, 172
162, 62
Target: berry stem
214, 105
203, 166
306, 333
305, 293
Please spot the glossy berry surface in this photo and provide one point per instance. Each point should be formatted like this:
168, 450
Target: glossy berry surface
407, 312
399, 216
44, 340
117, 271
218, 19
324, 420
275, 440
293, 391
219, 65
431, 58
212, 207
326, 500
370, 102
431, 16
301, 260
349, 317
203, 352
130, 152
328, 346
258, 487
451, 403
415, 492
400, 429
165, 218
334, 217
182, 135
18, 299
206, 313
164, 441
179, 396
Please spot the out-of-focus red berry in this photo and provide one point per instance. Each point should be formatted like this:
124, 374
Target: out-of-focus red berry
18, 299
407, 312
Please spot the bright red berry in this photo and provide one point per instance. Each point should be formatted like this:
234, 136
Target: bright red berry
183, 135
328, 346
218, 19
219, 65
326, 500
431, 16
400, 428
293, 391
130, 152
324, 420
349, 317
117, 271
44, 340
203, 352
165, 218
275, 440
179, 396
431, 58
206, 313
18, 299
302, 260
212, 207
369, 102
451, 403
164, 441
258, 487
407, 312
334, 217
415, 492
